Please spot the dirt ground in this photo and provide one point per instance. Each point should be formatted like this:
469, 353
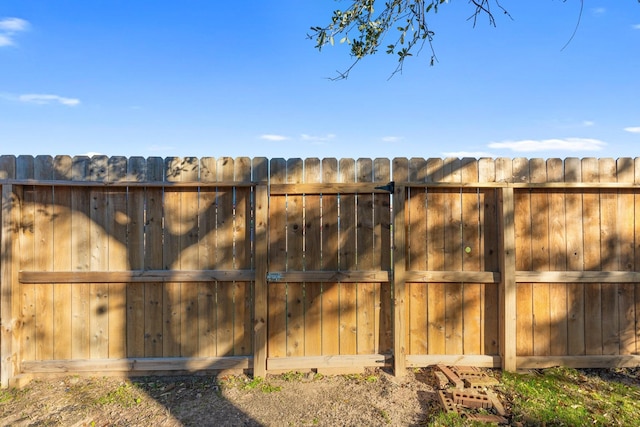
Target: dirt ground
294, 399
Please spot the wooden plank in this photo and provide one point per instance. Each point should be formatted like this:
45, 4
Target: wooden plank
453, 258
260, 291
10, 341
330, 249
558, 320
592, 260
80, 260
399, 282
43, 258
579, 362
189, 218
333, 361
224, 259
508, 286
25, 168
62, 314
207, 333
540, 259
99, 250
578, 277
471, 202
382, 235
144, 276
173, 228
135, 325
347, 260
144, 366
435, 259
489, 262
335, 188
312, 260
481, 361
625, 222
277, 293
524, 259
242, 259
610, 256
118, 258
575, 259
416, 241
295, 262
365, 259
154, 260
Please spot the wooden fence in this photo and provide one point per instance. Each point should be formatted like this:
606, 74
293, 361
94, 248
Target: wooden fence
137, 266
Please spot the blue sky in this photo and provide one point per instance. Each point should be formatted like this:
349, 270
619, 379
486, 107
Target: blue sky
203, 78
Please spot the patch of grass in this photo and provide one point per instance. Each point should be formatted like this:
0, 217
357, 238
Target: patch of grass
124, 395
246, 383
292, 376
567, 397
6, 396
452, 419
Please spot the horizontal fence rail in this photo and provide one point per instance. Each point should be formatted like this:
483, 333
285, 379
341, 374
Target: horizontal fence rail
134, 266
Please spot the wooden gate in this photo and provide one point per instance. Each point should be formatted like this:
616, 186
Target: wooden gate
329, 298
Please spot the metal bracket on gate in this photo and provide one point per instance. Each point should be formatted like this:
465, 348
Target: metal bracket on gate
390, 187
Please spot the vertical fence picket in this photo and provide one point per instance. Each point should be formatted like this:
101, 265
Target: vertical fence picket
330, 248
471, 199
115, 228
242, 258
524, 308
610, 255
62, 292
26, 233
135, 293
626, 262
435, 259
489, 252
154, 322
277, 291
558, 327
540, 258
172, 305
365, 253
224, 256
575, 259
207, 310
417, 236
312, 261
295, 262
347, 260
80, 259
591, 247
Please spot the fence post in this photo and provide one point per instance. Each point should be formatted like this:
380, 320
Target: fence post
9, 292
399, 269
506, 210
260, 291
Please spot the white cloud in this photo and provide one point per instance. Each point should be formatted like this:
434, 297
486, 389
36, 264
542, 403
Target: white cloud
635, 129
463, 154
391, 138
312, 138
636, 27
598, 11
568, 144
9, 27
272, 137
588, 123
42, 99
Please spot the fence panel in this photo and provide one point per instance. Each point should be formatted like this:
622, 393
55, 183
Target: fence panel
140, 265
